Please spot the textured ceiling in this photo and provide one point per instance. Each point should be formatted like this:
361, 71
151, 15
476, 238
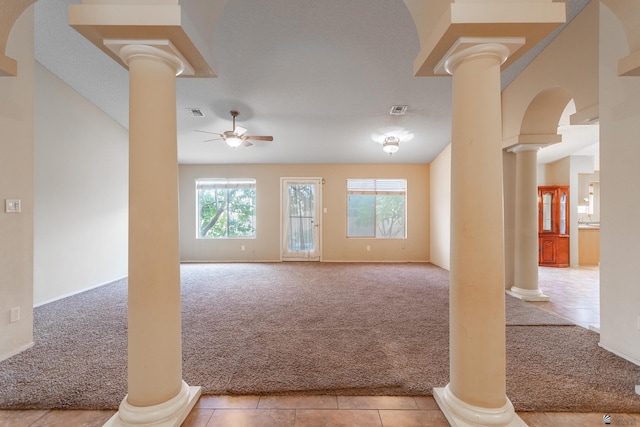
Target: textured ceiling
320, 76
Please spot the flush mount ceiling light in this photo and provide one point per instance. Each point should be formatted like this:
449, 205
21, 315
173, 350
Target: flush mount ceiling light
391, 137
391, 144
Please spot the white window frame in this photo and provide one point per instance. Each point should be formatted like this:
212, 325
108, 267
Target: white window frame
377, 187
222, 184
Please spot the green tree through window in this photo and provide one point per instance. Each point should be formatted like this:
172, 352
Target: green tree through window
226, 208
376, 208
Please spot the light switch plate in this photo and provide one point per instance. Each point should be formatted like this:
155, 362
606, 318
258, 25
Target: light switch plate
12, 205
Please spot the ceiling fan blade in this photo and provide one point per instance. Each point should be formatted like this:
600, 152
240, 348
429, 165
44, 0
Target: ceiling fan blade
246, 143
260, 138
206, 131
214, 139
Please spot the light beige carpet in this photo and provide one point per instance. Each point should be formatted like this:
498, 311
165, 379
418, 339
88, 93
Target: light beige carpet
312, 328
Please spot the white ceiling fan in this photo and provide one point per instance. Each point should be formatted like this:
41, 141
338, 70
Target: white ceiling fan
237, 136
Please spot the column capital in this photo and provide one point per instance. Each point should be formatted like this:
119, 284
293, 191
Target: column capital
473, 47
440, 23
525, 147
144, 22
162, 50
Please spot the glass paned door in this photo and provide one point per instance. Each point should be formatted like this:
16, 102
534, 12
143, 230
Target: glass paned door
300, 219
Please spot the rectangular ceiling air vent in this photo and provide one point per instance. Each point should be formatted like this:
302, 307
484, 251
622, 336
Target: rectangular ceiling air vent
195, 112
398, 110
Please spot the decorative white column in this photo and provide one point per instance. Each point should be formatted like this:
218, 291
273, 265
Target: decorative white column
476, 393
157, 395
526, 225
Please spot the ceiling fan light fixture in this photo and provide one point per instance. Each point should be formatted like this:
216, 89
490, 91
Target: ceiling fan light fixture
391, 145
233, 141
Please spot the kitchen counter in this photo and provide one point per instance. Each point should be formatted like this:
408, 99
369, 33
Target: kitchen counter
589, 244
589, 226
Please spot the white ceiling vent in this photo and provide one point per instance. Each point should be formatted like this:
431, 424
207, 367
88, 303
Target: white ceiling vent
195, 112
398, 110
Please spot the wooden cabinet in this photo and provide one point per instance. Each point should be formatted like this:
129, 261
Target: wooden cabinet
553, 226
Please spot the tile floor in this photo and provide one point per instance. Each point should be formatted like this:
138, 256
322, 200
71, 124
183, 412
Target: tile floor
574, 295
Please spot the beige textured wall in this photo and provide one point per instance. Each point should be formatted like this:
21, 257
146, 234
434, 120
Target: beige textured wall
335, 245
534, 101
440, 217
559, 172
16, 182
569, 62
620, 227
81, 191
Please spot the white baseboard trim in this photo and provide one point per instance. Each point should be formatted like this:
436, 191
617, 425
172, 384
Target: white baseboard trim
16, 351
79, 291
620, 354
224, 261
395, 261
379, 261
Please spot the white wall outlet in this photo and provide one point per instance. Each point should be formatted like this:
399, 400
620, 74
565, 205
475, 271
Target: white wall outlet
12, 205
15, 314
242, 248
368, 248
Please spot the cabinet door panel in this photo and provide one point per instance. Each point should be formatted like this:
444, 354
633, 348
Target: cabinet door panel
547, 251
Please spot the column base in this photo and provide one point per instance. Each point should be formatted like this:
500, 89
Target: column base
171, 413
461, 414
527, 294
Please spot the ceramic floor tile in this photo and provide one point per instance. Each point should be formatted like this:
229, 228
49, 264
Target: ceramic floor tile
228, 402
298, 402
198, 418
337, 418
566, 419
252, 418
583, 314
376, 402
66, 418
427, 403
574, 293
635, 417
537, 419
394, 418
19, 418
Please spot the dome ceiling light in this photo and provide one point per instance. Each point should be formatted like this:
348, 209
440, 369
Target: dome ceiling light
391, 144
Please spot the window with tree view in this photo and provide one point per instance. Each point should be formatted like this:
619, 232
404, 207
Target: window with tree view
226, 208
376, 208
